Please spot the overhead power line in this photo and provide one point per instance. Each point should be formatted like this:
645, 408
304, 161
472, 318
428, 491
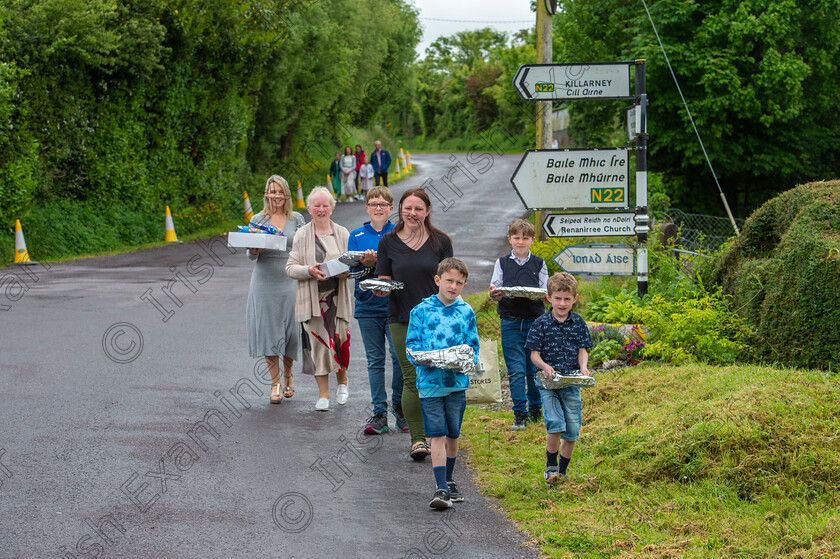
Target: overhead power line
475, 21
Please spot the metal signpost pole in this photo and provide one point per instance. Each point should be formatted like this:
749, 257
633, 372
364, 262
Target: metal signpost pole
642, 218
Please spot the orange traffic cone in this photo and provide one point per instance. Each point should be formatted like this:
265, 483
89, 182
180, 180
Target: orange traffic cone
408, 158
249, 212
397, 172
170, 236
21, 254
300, 203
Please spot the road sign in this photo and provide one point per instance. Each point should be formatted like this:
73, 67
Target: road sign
545, 82
573, 178
590, 225
598, 260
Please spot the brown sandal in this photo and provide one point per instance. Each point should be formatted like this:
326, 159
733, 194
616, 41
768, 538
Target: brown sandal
419, 450
276, 396
288, 391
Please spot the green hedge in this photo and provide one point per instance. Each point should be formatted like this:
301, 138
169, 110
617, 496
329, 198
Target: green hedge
783, 274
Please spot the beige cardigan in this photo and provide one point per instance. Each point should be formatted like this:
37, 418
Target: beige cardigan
297, 267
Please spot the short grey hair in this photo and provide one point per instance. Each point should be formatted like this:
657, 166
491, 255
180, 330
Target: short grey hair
321, 190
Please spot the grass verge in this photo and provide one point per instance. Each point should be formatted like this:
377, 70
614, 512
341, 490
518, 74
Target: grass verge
690, 461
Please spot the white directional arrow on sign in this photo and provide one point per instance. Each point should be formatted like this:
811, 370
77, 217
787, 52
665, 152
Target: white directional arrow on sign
598, 260
544, 82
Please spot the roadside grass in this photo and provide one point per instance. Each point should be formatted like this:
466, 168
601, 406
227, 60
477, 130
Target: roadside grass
690, 461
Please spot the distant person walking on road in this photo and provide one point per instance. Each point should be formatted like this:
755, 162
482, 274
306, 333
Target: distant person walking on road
411, 254
372, 314
442, 321
270, 311
348, 175
323, 303
335, 175
381, 160
366, 174
360, 160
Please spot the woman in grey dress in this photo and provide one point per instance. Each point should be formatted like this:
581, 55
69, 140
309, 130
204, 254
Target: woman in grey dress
270, 312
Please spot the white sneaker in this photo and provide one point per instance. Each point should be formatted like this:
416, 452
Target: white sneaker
323, 404
341, 394
360, 198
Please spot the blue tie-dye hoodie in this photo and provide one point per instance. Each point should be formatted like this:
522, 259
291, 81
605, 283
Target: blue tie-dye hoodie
434, 325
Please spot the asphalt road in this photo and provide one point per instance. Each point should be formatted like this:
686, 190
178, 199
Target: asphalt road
130, 426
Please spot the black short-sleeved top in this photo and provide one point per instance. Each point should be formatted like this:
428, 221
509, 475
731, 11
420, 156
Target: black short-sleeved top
559, 342
415, 268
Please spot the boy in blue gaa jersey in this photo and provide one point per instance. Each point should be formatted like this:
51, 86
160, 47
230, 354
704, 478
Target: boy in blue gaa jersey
372, 314
438, 322
559, 340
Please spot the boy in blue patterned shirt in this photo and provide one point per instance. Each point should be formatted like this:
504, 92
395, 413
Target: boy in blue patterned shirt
438, 322
559, 340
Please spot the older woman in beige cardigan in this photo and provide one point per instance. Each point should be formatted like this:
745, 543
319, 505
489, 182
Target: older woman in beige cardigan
323, 305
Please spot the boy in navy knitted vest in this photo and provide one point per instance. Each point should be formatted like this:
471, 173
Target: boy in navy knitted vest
523, 269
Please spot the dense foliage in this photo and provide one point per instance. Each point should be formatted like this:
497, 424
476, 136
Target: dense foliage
138, 104
759, 76
783, 274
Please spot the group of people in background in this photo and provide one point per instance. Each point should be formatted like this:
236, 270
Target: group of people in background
354, 173
296, 305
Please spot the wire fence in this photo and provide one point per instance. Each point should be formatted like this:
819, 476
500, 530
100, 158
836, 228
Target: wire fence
698, 231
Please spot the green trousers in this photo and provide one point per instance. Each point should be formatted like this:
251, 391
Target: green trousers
410, 396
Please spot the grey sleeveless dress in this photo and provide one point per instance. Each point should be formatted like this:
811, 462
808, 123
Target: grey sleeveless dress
270, 311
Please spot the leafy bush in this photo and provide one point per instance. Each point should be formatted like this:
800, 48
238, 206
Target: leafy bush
783, 274
621, 308
604, 350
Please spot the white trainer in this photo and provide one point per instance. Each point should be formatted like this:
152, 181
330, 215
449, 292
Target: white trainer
341, 394
323, 404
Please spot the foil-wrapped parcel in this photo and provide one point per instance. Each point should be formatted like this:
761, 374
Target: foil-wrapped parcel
527, 292
563, 379
459, 357
380, 284
352, 257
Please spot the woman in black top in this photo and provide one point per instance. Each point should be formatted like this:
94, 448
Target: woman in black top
411, 254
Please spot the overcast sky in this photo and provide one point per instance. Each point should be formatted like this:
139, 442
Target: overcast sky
471, 15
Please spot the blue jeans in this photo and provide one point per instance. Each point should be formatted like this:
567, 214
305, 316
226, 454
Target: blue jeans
374, 333
520, 369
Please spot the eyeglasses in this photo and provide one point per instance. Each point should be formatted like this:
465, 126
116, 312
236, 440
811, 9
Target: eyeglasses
379, 206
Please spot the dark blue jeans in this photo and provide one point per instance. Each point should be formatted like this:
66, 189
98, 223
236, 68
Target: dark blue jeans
520, 369
374, 333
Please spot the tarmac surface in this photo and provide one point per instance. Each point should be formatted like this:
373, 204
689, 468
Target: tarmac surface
134, 424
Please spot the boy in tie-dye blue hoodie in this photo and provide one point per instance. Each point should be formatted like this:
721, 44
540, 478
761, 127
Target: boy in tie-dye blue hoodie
438, 322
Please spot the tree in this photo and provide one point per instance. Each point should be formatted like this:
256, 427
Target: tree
759, 76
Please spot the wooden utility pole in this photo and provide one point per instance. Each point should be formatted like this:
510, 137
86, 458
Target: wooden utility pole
544, 56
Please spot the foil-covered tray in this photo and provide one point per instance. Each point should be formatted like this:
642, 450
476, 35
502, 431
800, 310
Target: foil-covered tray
527, 292
380, 284
564, 379
459, 357
352, 257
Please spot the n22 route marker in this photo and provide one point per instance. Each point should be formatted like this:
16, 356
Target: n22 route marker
573, 178
590, 225
598, 260
546, 82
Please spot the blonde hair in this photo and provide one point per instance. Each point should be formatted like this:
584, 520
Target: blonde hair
321, 190
287, 194
380, 192
562, 281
